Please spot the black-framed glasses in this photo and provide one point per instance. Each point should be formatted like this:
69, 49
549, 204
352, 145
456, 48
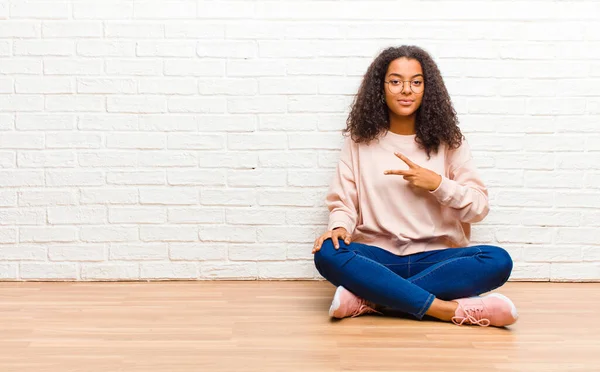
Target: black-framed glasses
396, 86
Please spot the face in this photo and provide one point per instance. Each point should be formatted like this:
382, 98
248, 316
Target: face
400, 96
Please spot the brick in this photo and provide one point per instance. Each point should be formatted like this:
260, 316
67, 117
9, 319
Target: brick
134, 30
109, 195
107, 159
231, 197
46, 159
21, 103
230, 159
255, 216
102, 48
23, 252
196, 177
48, 271
69, 140
228, 86
260, 104
8, 235
539, 272
23, 216
137, 215
47, 196
23, 140
44, 48
292, 159
21, 178
169, 195
257, 141
71, 29
39, 9
142, 252
136, 178
76, 252
245, 252
167, 159
76, 215
136, 105
227, 49
167, 86
197, 251
169, 270
256, 178
109, 271
223, 233
168, 123
194, 30
8, 271
19, 29
139, 141
97, 234
47, 234
196, 215
196, 141
165, 10
288, 122
68, 66
75, 103
287, 234
182, 67
552, 254
574, 271
136, 67
286, 270
47, 122
165, 49
106, 86
197, 104
318, 104
110, 9
229, 270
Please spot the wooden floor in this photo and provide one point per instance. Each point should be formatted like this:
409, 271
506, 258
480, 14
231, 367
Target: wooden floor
279, 326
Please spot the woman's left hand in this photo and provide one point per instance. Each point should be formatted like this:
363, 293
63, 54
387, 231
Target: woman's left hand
416, 175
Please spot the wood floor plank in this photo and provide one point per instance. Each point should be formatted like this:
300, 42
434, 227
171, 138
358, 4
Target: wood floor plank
279, 326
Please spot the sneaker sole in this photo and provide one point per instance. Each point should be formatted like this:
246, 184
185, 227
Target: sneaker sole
335, 304
513, 308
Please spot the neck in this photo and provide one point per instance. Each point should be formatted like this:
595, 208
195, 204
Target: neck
404, 125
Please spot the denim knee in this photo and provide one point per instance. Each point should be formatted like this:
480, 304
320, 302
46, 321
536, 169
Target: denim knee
324, 255
501, 262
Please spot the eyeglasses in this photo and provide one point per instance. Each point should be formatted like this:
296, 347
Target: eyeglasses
396, 86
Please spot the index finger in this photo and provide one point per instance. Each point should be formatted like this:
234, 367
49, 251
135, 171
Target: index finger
406, 160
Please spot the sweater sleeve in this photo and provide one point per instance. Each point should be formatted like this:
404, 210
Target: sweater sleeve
463, 190
341, 197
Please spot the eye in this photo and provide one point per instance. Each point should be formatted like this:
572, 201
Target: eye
395, 82
417, 83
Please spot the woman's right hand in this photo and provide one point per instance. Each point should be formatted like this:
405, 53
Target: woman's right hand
335, 234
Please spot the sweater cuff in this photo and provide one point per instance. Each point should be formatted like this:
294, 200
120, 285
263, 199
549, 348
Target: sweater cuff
340, 219
445, 190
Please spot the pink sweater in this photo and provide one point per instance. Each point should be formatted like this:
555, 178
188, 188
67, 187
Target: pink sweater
384, 211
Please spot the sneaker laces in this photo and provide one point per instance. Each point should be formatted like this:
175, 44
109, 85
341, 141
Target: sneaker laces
363, 309
473, 316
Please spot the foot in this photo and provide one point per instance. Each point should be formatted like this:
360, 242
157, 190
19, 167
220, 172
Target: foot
494, 309
345, 304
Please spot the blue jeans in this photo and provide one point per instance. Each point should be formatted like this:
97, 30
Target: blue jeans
410, 283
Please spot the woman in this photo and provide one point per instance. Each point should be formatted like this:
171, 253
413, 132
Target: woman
401, 203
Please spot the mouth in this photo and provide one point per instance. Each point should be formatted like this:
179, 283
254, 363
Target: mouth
405, 102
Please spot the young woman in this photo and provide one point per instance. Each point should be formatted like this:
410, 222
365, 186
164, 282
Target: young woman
401, 203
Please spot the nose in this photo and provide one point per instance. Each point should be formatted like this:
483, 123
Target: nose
406, 91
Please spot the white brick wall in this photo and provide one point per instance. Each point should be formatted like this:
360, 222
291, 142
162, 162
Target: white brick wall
195, 139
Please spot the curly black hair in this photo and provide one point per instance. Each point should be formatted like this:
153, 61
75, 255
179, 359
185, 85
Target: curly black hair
435, 120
